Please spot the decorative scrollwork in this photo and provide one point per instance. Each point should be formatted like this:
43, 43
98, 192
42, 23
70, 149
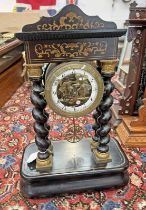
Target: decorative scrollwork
70, 21
70, 50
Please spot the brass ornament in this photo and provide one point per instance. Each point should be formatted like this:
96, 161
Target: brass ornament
46, 164
74, 132
101, 157
74, 91
34, 70
108, 66
93, 144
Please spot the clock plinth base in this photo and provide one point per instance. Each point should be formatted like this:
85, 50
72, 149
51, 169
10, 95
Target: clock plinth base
74, 170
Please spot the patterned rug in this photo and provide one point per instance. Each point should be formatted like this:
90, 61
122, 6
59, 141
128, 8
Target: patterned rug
16, 132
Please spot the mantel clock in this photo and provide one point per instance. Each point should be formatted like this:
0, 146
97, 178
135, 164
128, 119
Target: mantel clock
70, 59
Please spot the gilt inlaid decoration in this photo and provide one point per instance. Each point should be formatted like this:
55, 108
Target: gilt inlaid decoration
70, 50
71, 21
71, 18
44, 51
80, 34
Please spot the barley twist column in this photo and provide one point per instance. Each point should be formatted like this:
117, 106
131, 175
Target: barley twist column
96, 114
103, 114
41, 128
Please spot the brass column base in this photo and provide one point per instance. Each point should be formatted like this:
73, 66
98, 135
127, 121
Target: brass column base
44, 165
98, 156
93, 144
101, 157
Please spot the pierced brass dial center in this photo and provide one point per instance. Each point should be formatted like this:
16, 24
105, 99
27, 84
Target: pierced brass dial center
73, 89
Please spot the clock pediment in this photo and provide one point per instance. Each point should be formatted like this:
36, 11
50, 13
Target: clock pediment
70, 35
71, 17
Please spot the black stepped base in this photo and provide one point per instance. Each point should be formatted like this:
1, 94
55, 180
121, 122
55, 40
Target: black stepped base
74, 170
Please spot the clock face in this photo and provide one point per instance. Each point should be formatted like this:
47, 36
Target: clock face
73, 89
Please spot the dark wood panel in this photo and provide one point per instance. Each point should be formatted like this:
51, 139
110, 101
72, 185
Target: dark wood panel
8, 59
135, 85
10, 80
52, 51
70, 17
9, 46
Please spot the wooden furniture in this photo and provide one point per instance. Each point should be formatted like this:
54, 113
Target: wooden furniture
10, 68
121, 78
135, 85
96, 163
132, 129
131, 135
123, 66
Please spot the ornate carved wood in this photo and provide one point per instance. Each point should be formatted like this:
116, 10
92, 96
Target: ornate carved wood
137, 13
133, 94
132, 130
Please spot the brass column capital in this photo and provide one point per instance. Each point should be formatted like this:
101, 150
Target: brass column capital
108, 66
34, 70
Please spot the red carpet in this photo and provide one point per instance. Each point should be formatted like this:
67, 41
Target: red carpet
16, 132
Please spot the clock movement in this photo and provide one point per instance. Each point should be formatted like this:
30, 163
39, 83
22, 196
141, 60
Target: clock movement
73, 89
70, 59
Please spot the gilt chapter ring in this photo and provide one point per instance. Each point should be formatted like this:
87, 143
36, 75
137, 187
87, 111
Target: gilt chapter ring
73, 89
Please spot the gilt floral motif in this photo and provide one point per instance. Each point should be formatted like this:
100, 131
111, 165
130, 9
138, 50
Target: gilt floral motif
70, 21
70, 50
